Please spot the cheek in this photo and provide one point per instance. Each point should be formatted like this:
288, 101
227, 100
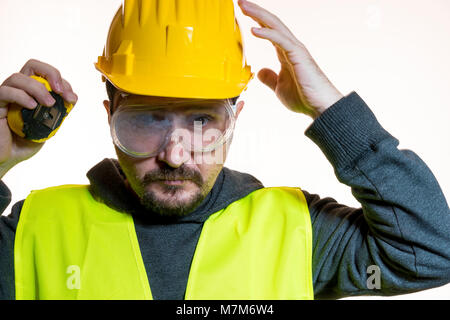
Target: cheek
134, 168
209, 173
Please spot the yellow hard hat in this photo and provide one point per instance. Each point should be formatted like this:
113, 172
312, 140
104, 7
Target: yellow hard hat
176, 48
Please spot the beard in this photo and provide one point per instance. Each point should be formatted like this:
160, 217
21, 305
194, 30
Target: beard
170, 200
171, 207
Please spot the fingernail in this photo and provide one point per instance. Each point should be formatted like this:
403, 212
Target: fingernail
58, 87
72, 98
50, 101
32, 104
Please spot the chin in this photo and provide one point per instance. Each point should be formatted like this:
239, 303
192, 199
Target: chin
172, 200
176, 191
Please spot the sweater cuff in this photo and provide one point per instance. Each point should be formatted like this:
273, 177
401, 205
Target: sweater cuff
346, 131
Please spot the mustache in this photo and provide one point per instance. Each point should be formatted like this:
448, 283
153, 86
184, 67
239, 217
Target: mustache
180, 173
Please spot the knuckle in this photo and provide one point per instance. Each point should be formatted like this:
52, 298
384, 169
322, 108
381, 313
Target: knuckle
276, 19
44, 94
41, 87
3, 90
58, 75
8, 94
38, 90
15, 95
298, 45
66, 84
13, 78
36, 85
17, 75
31, 62
54, 73
43, 90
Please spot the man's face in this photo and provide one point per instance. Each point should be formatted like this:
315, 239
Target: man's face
175, 180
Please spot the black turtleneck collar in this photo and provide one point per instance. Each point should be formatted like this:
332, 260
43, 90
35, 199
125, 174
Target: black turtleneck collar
108, 185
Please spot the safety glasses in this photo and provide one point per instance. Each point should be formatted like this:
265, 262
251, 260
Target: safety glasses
143, 131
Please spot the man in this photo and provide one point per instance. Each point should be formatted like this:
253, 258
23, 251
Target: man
168, 221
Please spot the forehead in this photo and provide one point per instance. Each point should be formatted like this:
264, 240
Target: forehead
124, 99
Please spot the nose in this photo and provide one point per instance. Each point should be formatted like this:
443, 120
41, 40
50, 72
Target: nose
174, 153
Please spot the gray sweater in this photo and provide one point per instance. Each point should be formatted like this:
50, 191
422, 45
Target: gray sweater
403, 225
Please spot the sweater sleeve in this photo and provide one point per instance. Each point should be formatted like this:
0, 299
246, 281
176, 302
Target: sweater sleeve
8, 225
403, 225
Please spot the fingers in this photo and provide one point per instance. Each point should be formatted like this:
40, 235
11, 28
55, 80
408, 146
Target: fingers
269, 78
273, 29
14, 95
32, 87
265, 18
276, 37
53, 76
69, 95
27, 92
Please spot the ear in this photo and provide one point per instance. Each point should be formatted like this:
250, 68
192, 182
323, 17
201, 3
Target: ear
106, 104
239, 108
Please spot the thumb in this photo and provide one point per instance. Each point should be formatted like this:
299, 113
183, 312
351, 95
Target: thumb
269, 78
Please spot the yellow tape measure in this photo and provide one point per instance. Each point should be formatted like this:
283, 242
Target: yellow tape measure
43, 122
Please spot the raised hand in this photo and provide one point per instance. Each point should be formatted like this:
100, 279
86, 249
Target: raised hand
22, 90
300, 85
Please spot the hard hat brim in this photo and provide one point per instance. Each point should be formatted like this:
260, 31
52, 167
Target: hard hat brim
180, 87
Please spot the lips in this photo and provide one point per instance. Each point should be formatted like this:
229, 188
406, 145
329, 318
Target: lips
174, 182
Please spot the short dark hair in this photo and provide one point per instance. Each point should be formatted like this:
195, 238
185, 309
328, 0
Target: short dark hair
111, 90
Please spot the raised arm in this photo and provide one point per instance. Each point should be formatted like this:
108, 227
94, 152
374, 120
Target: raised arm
403, 225
401, 230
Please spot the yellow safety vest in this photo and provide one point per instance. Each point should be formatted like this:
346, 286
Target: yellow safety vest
70, 246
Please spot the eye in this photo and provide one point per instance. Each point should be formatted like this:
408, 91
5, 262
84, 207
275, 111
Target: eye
203, 119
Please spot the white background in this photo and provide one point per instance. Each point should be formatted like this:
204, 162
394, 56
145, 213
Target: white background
395, 54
